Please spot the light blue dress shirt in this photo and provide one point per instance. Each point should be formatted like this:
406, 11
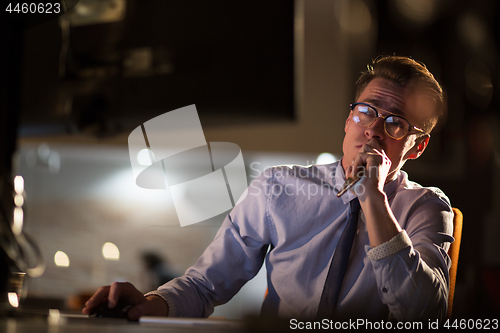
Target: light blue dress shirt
291, 219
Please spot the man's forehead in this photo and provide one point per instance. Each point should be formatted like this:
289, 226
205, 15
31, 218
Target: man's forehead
390, 96
385, 94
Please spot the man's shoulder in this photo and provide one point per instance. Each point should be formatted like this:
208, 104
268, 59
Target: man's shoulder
415, 191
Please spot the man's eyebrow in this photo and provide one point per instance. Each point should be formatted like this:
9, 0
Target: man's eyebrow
372, 101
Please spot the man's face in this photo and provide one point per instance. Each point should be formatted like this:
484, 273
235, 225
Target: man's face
412, 104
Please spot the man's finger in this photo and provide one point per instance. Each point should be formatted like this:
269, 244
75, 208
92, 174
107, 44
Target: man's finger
100, 295
374, 143
114, 294
356, 163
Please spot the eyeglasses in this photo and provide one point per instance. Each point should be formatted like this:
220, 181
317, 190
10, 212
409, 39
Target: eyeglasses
395, 126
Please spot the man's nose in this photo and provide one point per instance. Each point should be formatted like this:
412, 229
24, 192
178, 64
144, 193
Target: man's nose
376, 130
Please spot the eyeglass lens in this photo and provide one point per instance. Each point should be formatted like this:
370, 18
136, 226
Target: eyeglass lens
396, 127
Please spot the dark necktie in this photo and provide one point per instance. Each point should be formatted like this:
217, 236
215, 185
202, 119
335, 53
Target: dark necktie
338, 266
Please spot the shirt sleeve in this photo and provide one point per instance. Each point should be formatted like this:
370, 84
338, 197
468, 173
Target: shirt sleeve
391, 247
234, 257
411, 269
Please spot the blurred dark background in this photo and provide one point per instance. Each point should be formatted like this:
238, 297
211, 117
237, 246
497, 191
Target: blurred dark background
459, 43
274, 77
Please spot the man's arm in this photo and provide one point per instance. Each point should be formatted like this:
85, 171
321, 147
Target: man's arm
381, 224
412, 269
412, 276
234, 257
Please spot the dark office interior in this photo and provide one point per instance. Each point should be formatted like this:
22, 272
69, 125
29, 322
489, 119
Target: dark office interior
273, 77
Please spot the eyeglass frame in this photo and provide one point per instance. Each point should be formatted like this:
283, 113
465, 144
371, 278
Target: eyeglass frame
390, 114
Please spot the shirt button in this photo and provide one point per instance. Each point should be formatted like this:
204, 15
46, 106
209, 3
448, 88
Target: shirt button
384, 290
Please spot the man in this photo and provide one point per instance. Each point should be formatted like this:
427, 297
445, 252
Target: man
292, 219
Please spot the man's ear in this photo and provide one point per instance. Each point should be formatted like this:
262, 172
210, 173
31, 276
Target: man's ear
418, 148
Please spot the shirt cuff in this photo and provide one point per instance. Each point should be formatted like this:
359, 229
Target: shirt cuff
392, 246
170, 303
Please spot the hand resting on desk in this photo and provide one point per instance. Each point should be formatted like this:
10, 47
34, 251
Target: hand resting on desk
126, 292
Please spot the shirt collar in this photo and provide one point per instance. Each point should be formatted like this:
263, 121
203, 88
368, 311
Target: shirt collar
338, 180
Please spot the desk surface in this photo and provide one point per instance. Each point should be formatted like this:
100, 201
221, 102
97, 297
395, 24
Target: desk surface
52, 321
94, 325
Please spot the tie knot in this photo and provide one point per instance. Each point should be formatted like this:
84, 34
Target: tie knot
355, 206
